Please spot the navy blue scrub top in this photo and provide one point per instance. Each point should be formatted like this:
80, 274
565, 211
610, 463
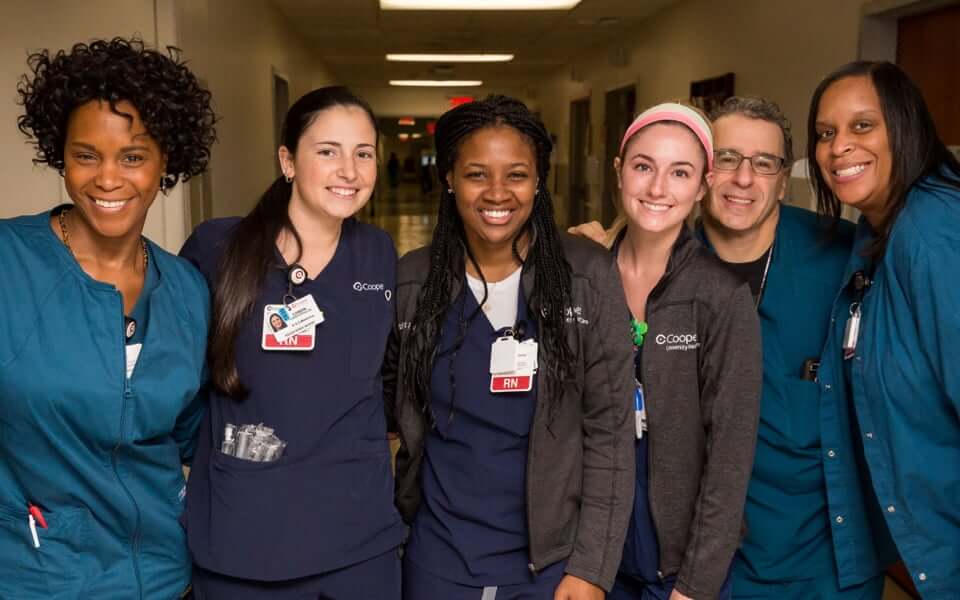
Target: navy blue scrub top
641, 552
327, 502
471, 527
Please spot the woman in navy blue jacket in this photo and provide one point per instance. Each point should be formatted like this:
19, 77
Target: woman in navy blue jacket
301, 311
890, 372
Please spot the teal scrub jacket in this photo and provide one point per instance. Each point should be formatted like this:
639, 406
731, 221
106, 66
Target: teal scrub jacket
903, 398
789, 537
99, 453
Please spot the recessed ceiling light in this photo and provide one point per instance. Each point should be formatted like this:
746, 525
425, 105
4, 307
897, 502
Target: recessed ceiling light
435, 83
478, 4
450, 58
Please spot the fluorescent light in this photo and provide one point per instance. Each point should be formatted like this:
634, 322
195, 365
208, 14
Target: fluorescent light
478, 4
435, 83
452, 58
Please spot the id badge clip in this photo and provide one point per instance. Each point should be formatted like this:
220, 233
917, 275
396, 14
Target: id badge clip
860, 283
512, 365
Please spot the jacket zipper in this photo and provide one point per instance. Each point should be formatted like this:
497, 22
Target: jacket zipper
532, 566
650, 461
127, 393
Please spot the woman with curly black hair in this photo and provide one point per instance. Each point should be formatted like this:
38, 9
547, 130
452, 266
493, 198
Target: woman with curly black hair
517, 479
102, 360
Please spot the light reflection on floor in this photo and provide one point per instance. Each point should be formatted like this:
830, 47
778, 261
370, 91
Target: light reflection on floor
407, 214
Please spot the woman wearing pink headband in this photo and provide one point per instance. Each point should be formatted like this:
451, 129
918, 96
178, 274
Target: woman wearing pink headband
697, 367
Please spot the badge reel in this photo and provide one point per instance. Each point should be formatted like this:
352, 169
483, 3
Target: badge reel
512, 364
291, 325
639, 409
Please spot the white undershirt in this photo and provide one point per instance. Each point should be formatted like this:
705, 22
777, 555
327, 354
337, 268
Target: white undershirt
501, 304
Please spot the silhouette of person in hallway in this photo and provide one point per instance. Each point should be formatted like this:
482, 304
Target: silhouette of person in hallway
393, 170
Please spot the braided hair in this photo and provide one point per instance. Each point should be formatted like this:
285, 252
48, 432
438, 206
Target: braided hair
551, 297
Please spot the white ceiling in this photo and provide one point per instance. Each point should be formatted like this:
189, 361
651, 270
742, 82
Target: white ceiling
352, 37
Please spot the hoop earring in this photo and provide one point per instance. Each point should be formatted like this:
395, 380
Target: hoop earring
288, 178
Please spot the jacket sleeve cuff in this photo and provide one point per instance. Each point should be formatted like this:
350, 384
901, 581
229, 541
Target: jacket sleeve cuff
697, 592
601, 580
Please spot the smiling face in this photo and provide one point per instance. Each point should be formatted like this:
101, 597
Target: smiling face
743, 201
853, 147
112, 168
494, 180
661, 177
334, 169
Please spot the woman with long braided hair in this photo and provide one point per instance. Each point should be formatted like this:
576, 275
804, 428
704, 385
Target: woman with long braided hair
509, 371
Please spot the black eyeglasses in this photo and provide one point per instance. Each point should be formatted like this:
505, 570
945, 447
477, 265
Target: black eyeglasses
762, 164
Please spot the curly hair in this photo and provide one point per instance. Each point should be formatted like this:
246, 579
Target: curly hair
173, 106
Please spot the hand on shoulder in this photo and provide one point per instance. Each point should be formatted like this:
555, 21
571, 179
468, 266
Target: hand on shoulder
592, 231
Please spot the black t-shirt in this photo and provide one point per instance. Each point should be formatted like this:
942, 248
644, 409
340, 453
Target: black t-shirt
751, 272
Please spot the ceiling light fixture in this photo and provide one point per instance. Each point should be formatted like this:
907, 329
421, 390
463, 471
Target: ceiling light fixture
478, 4
435, 83
450, 58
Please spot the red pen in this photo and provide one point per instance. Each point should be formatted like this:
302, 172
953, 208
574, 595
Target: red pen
36, 514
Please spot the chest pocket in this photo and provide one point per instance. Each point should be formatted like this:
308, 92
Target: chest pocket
373, 317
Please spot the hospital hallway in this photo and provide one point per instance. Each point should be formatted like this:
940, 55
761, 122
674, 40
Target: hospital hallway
584, 69
407, 213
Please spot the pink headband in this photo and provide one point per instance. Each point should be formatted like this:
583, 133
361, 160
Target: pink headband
671, 111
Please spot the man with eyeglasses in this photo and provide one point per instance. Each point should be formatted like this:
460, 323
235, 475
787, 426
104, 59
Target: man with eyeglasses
795, 549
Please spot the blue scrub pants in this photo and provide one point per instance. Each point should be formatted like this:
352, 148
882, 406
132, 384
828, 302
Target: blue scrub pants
821, 588
419, 584
377, 578
630, 588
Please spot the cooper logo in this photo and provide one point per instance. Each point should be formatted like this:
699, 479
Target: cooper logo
359, 286
677, 341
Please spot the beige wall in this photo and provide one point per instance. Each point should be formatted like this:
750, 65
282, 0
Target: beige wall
776, 49
234, 47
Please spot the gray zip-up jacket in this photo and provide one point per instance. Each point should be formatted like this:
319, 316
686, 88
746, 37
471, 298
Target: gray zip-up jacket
702, 374
580, 461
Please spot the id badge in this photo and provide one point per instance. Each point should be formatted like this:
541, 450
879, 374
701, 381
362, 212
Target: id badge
639, 410
512, 365
299, 316
273, 323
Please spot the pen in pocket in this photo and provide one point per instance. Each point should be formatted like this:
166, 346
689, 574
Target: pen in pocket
33, 517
